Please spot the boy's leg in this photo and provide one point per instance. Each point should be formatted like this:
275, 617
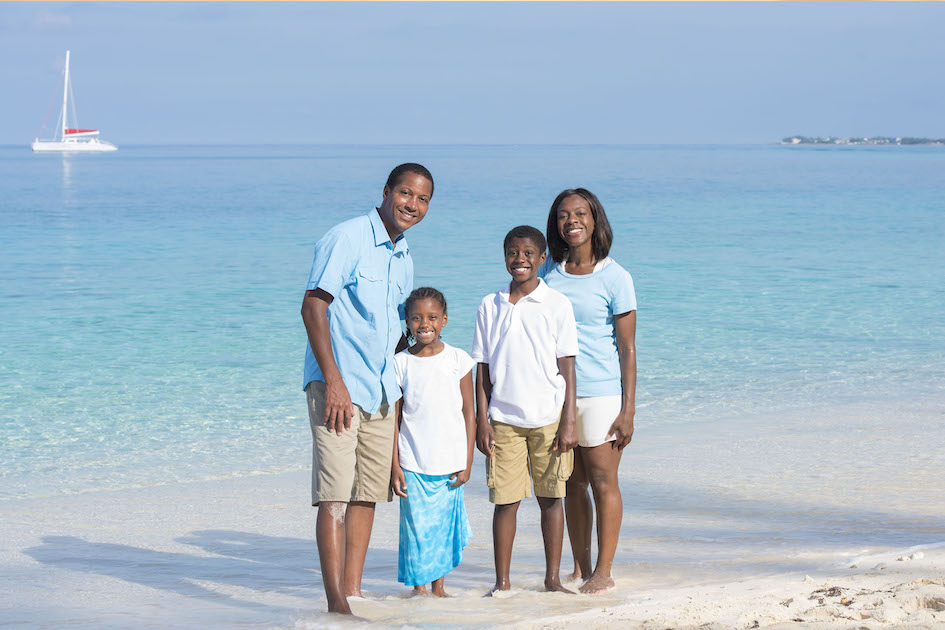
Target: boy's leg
504, 520
601, 464
552, 534
579, 515
550, 470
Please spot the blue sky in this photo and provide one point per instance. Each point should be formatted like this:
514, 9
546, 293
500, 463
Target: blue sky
411, 73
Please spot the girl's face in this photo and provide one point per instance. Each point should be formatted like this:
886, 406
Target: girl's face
425, 320
575, 221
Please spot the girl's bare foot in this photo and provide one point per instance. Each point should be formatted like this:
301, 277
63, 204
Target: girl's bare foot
597, 584
439, 592
419, 591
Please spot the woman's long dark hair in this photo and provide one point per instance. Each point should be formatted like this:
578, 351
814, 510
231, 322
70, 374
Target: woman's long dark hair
602, 237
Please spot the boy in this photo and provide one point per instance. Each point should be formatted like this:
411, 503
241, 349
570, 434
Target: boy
525, 343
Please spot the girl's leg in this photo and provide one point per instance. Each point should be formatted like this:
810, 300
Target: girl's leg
437, 587
580, 518
552, 534
503, 535
600, 464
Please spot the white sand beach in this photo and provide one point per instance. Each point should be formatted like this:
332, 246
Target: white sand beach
721, 530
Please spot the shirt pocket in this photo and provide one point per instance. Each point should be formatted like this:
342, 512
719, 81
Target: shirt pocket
371, 292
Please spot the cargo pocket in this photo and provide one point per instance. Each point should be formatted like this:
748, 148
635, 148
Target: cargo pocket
565, 465
490, 470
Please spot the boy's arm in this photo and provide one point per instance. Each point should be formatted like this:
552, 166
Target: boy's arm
622, 428
485, 434
567, 428
338, 409
469, 415
397, 481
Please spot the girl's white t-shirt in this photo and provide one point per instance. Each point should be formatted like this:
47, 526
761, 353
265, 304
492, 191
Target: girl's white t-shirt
433, 432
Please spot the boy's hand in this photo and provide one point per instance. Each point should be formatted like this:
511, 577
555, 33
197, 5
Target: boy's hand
566, 439
398, 482
460, 478
622, 428
485, 438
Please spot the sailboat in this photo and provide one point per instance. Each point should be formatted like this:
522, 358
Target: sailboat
72, 138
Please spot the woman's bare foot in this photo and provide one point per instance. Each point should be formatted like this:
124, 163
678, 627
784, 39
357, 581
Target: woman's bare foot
575, 575
419, 591
597, 584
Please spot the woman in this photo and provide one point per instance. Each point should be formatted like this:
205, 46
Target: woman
601, 291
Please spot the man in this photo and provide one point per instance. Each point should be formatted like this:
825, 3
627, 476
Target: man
353, 308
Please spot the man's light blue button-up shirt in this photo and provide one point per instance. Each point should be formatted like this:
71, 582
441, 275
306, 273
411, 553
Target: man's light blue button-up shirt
369, 279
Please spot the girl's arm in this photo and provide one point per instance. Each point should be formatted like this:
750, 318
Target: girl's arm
626, 328
485, 434
466, 387
397, 481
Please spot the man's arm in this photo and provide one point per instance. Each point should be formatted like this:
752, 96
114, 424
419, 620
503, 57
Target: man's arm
485, 434
567, 428
338, 410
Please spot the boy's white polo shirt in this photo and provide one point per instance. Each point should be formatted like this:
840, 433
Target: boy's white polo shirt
522, 342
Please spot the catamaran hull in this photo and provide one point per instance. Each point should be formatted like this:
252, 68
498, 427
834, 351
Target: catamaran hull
93, 146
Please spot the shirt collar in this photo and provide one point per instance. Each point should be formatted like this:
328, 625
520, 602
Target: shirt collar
537, 295
381, 237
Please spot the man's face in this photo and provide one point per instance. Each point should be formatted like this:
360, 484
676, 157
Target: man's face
406, 203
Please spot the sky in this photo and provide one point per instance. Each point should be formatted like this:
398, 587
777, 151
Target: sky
458, 72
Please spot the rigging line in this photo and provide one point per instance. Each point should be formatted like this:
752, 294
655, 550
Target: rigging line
75, 118
51, 101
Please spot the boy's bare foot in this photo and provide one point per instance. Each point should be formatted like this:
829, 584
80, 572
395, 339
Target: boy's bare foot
419, 591
555, 587
498, 588
597, 584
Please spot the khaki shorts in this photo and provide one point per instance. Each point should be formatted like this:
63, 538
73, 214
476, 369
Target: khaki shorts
353, 466
519, 453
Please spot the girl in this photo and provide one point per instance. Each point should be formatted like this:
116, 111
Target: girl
601, 291
433, 446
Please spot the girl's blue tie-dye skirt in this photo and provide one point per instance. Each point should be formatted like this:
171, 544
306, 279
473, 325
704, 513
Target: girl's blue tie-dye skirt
434, 528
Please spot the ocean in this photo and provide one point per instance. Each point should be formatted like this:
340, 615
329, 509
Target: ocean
790, 337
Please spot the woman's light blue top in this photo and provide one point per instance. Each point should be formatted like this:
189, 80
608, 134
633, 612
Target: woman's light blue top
369, 278
596, 298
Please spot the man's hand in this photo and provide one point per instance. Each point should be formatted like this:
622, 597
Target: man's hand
398, 482
485, 438
338, 407
622, 428
459, 478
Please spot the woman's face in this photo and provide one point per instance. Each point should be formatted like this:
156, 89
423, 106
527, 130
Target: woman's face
575, 221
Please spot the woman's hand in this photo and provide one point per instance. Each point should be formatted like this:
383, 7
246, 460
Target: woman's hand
398, 482
622, 429
459, 478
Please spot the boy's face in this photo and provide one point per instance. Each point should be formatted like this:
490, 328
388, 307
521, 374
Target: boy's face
522, 259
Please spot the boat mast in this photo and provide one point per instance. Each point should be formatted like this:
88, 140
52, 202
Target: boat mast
65, 99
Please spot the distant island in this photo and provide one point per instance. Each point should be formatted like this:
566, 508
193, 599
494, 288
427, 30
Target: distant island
878, 140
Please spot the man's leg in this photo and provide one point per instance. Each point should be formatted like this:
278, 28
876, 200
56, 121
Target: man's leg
359, 521
504, 520
601, 464
580, 518
330, 537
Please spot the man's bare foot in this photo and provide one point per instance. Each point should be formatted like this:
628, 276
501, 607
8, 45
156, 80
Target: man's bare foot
354, 592
555, 587
419, 591
339, 607
597, 584
575, 575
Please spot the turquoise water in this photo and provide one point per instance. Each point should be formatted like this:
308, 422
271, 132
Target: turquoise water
149, 299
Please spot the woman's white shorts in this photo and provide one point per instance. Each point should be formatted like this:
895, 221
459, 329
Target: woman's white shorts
595, 415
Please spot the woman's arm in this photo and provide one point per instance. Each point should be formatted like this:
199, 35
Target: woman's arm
625, 325
397, 481
469, 415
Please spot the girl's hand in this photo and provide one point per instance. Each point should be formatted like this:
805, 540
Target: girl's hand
485, 438
622, 428
398, 482
460, 477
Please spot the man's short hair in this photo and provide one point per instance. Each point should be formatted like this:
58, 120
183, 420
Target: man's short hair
526, 231
409, 167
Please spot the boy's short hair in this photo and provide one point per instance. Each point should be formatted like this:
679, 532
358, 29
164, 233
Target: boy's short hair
526, 231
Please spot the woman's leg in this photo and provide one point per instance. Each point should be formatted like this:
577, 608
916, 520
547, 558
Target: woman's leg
600, 466
580, 518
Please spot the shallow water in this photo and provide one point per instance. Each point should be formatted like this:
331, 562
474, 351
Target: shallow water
792, 365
